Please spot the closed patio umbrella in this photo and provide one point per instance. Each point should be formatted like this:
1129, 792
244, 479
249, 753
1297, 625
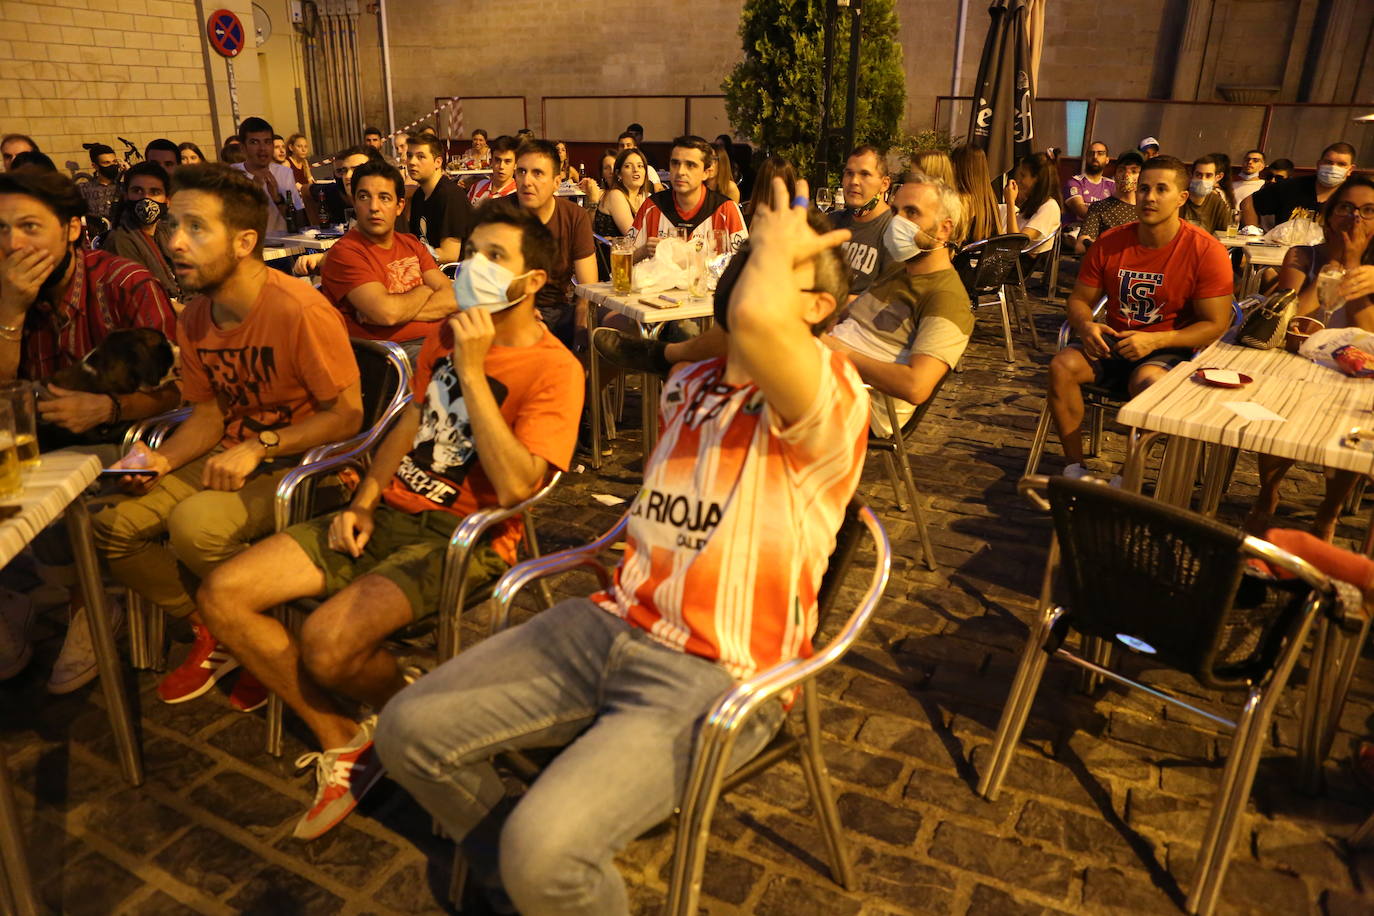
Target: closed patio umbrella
1000, 122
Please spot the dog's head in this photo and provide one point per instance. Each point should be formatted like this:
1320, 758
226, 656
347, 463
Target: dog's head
126, 361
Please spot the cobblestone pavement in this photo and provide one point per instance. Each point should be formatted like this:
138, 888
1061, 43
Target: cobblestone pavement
1103, 810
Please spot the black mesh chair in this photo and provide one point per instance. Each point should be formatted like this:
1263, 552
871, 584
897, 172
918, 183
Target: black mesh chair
707, 779
987, 269
1173, 586
893, 449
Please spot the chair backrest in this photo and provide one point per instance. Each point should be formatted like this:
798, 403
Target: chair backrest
847, 540
1167, 582
984, 266
385, 375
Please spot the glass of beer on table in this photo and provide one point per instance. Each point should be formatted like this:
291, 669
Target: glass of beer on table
9, 455
622, 264
20, 396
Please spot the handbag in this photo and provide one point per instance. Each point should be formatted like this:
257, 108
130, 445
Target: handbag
1266, 323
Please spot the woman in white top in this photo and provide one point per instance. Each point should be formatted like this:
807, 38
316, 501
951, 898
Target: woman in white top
1032, 201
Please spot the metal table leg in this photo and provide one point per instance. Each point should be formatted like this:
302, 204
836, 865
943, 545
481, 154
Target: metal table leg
594, 380
102, 636
16, 886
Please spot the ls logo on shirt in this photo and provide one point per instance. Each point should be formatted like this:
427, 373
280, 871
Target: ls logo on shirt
1137, 297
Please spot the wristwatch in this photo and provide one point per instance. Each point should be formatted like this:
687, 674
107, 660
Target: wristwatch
269, 440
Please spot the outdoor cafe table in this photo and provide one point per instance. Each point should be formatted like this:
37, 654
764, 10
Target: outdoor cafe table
1319, 406
55, 489
651, 321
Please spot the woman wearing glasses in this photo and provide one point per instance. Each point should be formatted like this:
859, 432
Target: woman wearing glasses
1344, 264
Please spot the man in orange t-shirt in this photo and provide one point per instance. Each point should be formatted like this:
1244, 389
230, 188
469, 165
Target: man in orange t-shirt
497, 399
386, 283
268, 371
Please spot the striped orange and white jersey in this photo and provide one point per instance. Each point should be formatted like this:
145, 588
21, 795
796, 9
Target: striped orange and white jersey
659, 213
732, 531
482, 190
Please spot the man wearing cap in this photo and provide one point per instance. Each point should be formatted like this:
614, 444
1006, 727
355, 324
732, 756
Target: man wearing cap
1149, 148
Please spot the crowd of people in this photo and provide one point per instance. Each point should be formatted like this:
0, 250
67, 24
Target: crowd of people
773, 398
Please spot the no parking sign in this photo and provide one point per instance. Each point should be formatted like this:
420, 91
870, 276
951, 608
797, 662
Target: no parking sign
226, 33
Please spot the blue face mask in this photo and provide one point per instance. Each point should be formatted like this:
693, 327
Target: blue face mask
482, 283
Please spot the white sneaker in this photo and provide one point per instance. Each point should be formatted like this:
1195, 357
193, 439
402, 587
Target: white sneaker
75, 666
16, 613
1076, 471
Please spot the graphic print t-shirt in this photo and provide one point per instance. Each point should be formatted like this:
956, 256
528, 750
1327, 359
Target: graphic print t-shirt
272, 370
865, 252
539, 390
1149, 289
733, 528
714, 210
355, 260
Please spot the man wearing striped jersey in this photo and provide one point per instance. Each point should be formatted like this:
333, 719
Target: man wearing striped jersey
687, 203
502, 180
726, 545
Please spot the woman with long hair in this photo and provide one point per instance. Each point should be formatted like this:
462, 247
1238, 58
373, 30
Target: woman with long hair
772, 167
1223, 184
298, 158
935, 163
629, 189
189, 154
1032, 200
596, 188
982, 218
1348, 221
722, 176
565, 170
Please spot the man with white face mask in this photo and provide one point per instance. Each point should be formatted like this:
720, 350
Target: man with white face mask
1205, 208
913, 323
1303, 195
496, 404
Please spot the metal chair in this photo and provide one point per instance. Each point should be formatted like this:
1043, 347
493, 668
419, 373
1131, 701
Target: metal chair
1139, 575
987, 269
893, 449
385, 373
707, 778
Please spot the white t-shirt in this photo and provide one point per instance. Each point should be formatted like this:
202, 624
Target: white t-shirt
286, 184
1045, 220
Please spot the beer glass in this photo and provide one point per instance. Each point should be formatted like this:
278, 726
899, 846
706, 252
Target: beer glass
9, 455
622, 264
20, 397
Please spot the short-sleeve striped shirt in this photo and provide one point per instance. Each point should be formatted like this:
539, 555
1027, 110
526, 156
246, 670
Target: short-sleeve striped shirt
732, 531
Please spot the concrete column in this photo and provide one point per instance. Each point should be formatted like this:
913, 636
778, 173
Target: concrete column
1192, 50
1335, 44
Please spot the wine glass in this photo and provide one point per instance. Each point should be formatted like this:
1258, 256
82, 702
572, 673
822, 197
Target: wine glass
824, 199
1328, 291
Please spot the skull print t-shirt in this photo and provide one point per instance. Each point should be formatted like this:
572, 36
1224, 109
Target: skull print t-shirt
1152, 289
539, 390
272, 370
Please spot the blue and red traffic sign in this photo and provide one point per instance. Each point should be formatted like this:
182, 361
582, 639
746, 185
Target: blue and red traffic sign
226, 33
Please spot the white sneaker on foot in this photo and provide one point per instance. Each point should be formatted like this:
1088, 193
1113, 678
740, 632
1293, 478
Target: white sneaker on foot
75, 666
1076, 471
16, 613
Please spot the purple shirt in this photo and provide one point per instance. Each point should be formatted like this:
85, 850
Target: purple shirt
1080, 186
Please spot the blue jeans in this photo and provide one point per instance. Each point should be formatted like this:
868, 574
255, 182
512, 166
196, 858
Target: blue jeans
626, 708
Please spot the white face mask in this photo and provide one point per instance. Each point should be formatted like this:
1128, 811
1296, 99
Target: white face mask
901, 239
1332, 175
482, 283
1201, 186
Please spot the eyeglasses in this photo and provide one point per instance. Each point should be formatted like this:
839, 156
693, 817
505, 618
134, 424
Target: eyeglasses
1346, 208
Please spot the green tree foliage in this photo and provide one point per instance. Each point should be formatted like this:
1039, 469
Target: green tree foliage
774, 95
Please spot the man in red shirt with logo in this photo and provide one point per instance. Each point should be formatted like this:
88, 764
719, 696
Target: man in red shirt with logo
725, 549
385, 282
688, 204
1168, 287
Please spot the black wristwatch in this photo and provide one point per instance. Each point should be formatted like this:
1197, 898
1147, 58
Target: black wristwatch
270, 441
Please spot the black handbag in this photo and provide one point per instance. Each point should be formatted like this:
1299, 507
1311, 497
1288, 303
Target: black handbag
1266, 323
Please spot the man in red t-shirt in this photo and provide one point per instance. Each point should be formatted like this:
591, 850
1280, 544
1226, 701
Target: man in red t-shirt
493, 413
1168, 288
385, 282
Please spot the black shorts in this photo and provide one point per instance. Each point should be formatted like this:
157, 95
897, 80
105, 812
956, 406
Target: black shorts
1115, 371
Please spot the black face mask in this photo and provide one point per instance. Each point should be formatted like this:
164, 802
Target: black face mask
147, 212
726, 285
109, 171
51, 280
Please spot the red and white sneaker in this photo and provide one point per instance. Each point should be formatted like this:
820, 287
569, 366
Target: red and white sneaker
248, 693
343, 775
208, 662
